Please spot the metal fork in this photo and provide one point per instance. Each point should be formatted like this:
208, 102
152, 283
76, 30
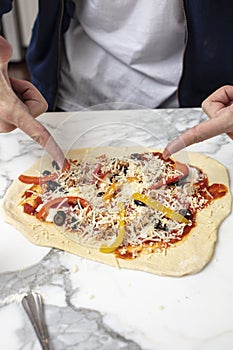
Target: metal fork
34, 307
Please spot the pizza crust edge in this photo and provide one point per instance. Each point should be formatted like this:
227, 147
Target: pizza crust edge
189, 256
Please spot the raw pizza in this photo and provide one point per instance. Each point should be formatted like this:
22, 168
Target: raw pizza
124, 207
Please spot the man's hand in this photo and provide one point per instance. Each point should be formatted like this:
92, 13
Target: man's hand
219, 108
18, 101
20, 104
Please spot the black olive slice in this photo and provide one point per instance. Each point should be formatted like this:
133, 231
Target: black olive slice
158, 225
186, 213
59, 218
52, 185
74, 223
100, 194
55, 165
114, 178
125, 169
46, 172
137, 202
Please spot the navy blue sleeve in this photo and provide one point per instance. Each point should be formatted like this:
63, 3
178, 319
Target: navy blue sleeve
43, 54
5, 6
208, 59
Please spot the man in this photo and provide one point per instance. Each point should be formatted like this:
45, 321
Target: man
202, 43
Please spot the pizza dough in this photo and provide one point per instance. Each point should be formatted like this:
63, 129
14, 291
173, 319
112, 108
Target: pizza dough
186, 257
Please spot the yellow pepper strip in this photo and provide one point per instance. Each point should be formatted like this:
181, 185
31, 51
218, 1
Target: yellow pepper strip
154, 204
132, 179
111, 190
121, 232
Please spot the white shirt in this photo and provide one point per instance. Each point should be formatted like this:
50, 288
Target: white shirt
122, 51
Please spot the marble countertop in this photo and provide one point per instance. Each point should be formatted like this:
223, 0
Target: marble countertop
91, 306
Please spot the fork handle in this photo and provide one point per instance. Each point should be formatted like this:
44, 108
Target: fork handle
33, 305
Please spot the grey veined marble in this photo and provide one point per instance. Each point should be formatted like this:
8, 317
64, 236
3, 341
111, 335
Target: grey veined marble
70, 327
92, 306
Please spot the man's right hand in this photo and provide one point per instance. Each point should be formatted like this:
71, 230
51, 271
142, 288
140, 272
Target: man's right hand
219, 108
20, 104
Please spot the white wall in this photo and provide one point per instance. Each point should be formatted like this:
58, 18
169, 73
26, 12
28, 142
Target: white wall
17, 26
27, 10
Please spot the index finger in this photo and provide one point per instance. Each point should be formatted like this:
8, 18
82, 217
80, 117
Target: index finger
41, 135
198, 133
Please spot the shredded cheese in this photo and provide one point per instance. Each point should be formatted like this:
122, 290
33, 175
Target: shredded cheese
105, 183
